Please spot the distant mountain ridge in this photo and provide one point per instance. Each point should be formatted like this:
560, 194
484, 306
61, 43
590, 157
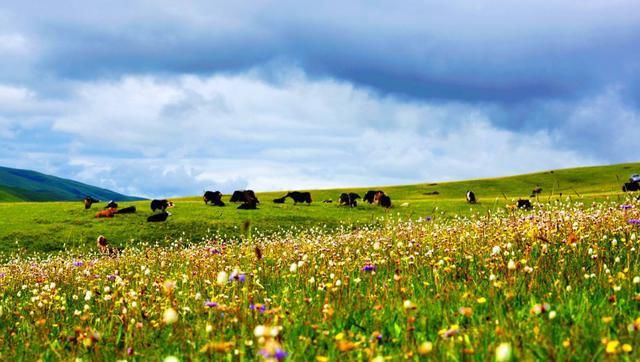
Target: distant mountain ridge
27, 185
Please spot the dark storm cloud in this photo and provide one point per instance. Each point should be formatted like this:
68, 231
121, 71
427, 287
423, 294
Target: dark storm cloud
486, 51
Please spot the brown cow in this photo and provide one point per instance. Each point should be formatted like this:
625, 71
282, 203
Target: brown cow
106, 213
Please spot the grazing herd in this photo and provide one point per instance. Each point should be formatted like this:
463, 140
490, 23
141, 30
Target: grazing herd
248, 200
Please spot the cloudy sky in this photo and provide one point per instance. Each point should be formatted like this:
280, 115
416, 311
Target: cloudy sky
167, 98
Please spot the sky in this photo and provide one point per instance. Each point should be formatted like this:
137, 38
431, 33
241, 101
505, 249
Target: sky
166, 98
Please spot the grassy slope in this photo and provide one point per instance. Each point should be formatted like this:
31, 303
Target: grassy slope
49, 226
26, 185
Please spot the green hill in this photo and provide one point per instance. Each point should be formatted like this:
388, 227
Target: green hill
26, 185
32, 227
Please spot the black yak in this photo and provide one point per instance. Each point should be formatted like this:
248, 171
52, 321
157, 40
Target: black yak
524, 204
160, 205
127, 210
349, 199
471, 197
631, 186
373, 196
215, 198
248, 205
88, 201
298, 196
244, 196
279, 200
111, 205
385, 201
159, 217
535, 192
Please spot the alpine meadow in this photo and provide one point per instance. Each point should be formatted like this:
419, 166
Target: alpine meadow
329, 181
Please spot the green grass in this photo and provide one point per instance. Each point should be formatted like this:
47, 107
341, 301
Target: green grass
50, 226
560, 283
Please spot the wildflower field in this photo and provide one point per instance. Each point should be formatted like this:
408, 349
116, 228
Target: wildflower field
560, 282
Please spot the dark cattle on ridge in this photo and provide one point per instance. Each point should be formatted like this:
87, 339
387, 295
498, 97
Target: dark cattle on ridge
88, 201
160, 204
214, 198
244, 196
631, 186
159, 217
373, 196
298, 196
471, 197
349, 199
385, 201
535, 192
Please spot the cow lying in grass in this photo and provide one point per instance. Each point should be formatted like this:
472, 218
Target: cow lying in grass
127, 210
103, 246
159, 217
524, 204
106, 213
111, 205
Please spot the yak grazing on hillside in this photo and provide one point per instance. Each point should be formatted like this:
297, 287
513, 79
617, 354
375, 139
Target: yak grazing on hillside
349, 199
88, 201
160, 205
298, 196
215, 198
244, 196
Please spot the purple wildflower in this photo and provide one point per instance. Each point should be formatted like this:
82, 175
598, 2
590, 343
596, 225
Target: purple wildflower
626, 207
368, 267
210, 304
215, 251
78, 263
634, 221
111, 277
130, 351
281, 354
260, 307
427, 218
240, 277
2, 275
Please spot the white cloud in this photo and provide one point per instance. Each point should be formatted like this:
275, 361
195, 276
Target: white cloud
14, 44
179, 135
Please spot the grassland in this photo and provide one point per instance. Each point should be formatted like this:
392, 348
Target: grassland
438, 279
53, 226
561, 282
